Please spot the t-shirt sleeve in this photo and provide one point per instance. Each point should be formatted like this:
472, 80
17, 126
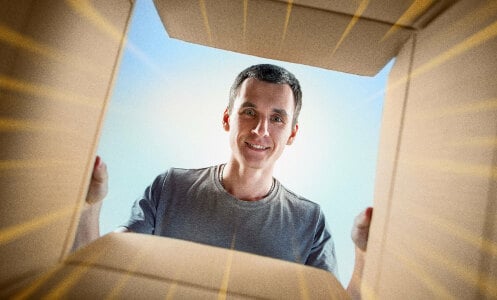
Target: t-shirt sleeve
144, 209
322, 254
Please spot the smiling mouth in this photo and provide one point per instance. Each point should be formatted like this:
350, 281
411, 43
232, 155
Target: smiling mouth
256, 147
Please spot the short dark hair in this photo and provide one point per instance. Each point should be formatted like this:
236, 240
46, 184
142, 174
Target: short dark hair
272, 74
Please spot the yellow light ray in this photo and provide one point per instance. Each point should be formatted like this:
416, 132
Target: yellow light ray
20, 164
171, 292
488, 9
458, 210
435, 256
73, 277
223, 290
358, 13
457, 110
415, 10
47, 92
453, 167
469, 43
205, 17
417, 271
86, 9
15, 39
33, 287
14, 232
477, 241
367, 291
285, 26
224, 283
7, 124
132, 267
245, 15
304, 288
477, 141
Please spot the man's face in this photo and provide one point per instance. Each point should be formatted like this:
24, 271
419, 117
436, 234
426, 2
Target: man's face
260, 123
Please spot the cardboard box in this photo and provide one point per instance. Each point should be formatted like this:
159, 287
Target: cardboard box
354, 37
434, 232
55, 83
137, 266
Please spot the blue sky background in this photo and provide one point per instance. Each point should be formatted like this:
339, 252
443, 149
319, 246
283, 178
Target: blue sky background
166, 111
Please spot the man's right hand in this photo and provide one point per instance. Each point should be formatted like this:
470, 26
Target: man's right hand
98, 187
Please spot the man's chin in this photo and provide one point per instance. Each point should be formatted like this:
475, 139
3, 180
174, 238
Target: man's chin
257, 163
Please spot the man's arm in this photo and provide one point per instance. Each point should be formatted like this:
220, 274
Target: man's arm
360, 234
88, 227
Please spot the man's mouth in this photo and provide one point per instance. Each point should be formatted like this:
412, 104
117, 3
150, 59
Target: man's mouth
256, 146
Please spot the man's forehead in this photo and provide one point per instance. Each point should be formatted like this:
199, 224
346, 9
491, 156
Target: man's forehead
253, 87
257, 83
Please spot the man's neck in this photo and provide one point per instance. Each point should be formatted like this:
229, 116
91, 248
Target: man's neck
247, 184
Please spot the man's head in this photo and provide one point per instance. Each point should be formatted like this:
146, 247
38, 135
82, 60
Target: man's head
272, 74
261, 117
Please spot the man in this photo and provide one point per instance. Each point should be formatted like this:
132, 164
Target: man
239, 204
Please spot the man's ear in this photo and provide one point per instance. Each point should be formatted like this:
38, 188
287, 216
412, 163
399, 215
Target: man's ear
226, 120
294, 133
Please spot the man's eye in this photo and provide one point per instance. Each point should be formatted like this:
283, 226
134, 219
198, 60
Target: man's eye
249, 112
276, 119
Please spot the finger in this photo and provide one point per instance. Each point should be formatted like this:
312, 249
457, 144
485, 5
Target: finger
363, 220
99, 170
368, 215
97, 162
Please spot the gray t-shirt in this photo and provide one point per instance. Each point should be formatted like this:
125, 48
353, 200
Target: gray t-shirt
192, 205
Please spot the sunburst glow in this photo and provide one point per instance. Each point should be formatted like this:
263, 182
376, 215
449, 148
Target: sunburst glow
19, 230
414, 11
223, 289
47, 92
134, 264
287, 22
16, 39
358, 13
205, 17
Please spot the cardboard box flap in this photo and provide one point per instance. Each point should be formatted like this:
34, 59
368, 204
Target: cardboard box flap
206, 268
57, 70
411, 14
317, 33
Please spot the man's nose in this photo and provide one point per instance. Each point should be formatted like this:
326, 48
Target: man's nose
261, 128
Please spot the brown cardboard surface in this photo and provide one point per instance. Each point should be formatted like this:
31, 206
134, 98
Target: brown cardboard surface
438, 241
434, 232
403, 13
391, 136
59, 67
295, 33
98, 283
158, 267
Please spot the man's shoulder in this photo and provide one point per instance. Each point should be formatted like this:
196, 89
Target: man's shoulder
186, 171
176, 173
177, 179
189, 171
303, 211
297, 200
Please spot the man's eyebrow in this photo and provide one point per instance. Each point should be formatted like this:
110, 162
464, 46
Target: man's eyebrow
282, 112
248, 104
